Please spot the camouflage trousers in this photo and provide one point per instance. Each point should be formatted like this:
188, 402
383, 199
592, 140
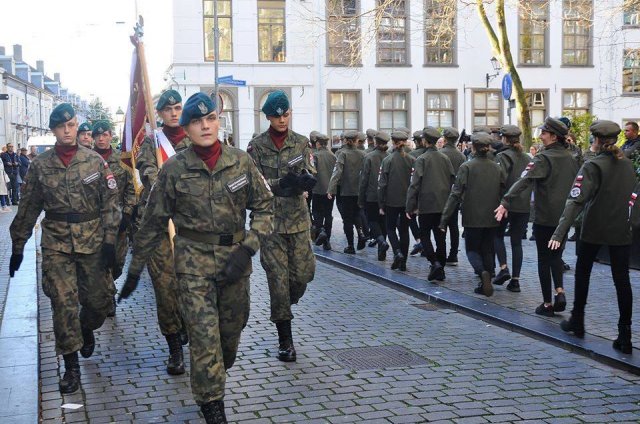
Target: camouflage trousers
161, 270
214, 315
79, 294
289, 264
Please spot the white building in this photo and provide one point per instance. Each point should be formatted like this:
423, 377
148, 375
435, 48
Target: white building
573, 56
31, 97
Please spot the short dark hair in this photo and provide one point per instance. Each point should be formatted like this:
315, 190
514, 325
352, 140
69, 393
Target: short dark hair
634, 125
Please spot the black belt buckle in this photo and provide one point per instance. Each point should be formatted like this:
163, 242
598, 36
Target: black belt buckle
226, 239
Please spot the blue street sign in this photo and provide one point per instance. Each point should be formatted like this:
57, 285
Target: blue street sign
507, 85
225, 78
237, 83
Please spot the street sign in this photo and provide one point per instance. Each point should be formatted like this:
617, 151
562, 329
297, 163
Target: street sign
507, 85
237, 83
4, 97
225, 79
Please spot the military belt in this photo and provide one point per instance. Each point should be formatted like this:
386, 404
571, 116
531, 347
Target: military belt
210, 238
72, 217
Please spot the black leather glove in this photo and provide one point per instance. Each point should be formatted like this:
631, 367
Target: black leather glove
14, 263
109, 256
237, 263
306, 181
125, 222
129, 286
288, 181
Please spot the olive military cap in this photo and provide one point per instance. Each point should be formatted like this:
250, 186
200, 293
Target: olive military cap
405, 130
351, 134
100, 127
84, 127
510, 131
605, 129
481, 138
382, 137
399, 136
480, 129
196, 106
322, 137
362, 136
313, 136
168, 98
371, 133
565, 121
431, 134
277, 103
60, 114
554, 126
417, 135
450, 133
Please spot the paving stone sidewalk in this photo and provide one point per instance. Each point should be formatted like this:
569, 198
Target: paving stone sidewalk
471, 372
601, 317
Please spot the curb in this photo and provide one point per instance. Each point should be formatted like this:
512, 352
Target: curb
594, 347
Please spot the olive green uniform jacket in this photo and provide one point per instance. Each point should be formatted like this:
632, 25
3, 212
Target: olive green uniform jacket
513, 164
324, 161
430, 183
395, 177
346, 172
456, 157
369, 177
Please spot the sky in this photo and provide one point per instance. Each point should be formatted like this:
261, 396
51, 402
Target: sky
84, 41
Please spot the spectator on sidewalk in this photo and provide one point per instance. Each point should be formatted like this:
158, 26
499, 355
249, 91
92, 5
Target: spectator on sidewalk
25, 162
632, 142
12, 168
33, 152
4, 198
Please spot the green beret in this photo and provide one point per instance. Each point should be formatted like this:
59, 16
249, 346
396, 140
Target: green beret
565, 121
322, 137
405, 130
100, 127
84, 127
418, 135
431, 134
483, 129
605, 129
554, 126
351, 134
382, 137
168, 98
276, 104
481, 138
399, 135
371, 133
60, 114
450, 133
510, 131
313, 135
196, 106
362, 136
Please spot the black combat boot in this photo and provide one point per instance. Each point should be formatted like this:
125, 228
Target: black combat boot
326, 245
89, 343
213, 412
175, 364
403, 264
436, 272
623, 342
70, 382
350, 250
362, 239
397, 260
574, 324
286, 351
321, 238
383, 246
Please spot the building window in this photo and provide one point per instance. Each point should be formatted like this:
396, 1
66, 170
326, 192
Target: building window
224, 26
575, 103
440, 32
392, 33
533, 32
343, 32
631, 14
631, 71
271, 41
537, 102
393, 110
487, 106
344, 111
440, 108
576, 32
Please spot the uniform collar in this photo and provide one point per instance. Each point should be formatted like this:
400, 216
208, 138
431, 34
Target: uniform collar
226, 160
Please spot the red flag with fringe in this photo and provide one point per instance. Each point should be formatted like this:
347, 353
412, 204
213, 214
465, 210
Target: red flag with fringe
136, 116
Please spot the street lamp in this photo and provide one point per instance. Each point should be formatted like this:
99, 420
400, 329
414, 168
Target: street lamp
496, 67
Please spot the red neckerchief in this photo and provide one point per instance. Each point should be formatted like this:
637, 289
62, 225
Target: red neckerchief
209, 154
105, 153
278, 137
174, 134
66, 152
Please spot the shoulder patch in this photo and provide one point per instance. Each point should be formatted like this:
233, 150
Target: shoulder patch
296, 160
111, 182
575, 192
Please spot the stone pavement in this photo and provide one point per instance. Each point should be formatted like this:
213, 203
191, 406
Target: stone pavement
601, 318
451, 367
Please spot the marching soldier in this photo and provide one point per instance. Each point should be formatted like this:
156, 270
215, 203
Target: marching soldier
418, 139
77, 191
368, 193
457, 158
324, 161
284, 158
346, 174
393, 183
362, 138
85, 137
479, 185
371, 143
550, 173
431, 182
172, 139
206, 190
603, 188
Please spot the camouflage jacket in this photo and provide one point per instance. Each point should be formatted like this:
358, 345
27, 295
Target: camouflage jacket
86, 186
205, 202
291, 213
147, 163
126, 189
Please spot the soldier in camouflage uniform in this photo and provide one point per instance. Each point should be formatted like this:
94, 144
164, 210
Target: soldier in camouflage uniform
77, 191
126, 194
206, 190
160, 264
84, 135
285, 160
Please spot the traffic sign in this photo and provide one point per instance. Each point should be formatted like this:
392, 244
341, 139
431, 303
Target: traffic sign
237, 83
225, 78
507, 85
4, 97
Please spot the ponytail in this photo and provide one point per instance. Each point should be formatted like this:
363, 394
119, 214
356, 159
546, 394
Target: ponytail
514, 143
613, 149
481, 149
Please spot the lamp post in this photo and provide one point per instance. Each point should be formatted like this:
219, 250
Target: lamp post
496, 67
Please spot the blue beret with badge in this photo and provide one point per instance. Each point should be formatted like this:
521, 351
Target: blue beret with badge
84, 127
196, 106
100, 127
277, 103
60, 114
168, 98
